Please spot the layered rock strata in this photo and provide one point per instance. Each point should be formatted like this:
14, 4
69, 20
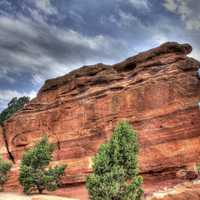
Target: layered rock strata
156, 91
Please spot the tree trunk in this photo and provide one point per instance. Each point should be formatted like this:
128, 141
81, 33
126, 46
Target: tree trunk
40, 190
1, 188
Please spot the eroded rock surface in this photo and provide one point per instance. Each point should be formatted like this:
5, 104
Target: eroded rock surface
156, 91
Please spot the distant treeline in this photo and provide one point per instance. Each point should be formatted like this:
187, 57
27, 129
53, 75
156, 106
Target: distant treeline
13, 106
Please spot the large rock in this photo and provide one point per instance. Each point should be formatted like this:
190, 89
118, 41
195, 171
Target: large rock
156, 91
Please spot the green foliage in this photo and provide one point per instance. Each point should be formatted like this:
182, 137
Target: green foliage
4, 169
34, 172
13, 106
115, 169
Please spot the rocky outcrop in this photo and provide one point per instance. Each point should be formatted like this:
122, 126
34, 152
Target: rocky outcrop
156, 91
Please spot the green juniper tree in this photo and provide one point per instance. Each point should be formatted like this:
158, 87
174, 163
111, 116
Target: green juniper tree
115, 168
4, 169
34, 172
13, 106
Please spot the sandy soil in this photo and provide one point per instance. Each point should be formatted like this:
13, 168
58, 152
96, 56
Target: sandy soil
14, 196
187, 187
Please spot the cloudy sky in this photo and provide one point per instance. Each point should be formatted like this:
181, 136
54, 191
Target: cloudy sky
41, 39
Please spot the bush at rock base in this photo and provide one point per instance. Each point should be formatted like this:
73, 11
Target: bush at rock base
115, 169
35, 175
4, 169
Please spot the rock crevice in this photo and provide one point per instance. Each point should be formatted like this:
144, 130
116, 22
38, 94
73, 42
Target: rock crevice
5, 143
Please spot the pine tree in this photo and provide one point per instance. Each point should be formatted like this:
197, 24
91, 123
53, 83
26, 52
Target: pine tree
34, 172
14, 105
4, 169
115, 168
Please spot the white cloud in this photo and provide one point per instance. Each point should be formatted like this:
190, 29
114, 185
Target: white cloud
37, 79
7, 95
4, 75
180, 7
193, 24
46, 7
195, 53
140, 4
187, 10
170, 5
125, 20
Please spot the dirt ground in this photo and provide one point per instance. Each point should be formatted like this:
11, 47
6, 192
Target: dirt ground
15, 196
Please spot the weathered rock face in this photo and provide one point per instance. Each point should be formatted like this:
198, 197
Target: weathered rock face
156, 91
3, 150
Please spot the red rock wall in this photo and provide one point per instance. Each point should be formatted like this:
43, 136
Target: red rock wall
156, 91
3, 150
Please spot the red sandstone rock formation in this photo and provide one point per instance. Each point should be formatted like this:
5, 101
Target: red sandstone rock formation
156, 91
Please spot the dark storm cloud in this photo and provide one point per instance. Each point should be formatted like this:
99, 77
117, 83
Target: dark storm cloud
31, 41
27, 46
